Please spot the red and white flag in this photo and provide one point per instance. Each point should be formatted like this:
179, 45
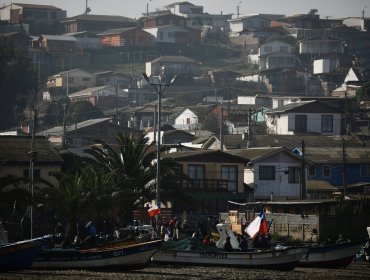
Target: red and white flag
154, 210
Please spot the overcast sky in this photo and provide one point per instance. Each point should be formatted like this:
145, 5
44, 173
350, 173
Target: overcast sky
135, 8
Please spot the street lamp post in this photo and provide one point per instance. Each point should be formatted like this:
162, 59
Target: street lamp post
32, 155
159, 83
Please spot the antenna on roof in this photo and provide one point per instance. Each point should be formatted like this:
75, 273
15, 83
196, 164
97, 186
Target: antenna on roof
87, 9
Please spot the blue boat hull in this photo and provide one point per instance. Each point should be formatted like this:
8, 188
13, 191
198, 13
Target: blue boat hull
332, 256
19, 255
120, 256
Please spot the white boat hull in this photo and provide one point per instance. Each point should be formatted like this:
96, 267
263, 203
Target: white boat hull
285, 259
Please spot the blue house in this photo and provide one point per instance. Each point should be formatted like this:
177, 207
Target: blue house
332, 169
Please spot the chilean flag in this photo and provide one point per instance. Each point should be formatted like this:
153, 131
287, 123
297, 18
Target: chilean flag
154, 210
258, 225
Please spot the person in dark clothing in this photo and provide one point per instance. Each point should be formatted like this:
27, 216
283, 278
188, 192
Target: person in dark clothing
243, 244
227, 245
202, 232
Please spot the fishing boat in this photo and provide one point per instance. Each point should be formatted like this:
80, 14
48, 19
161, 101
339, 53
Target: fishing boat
20, 255
331, 256
192, 251
197, 254
114, 255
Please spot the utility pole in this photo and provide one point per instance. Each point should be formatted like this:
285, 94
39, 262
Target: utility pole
116, 88
221, 130
32, 154
154, 124
346, 113
228, 104
344, 171
249, 127
64, 142
303, 172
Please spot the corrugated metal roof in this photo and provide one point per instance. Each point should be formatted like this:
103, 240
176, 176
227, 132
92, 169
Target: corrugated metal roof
59, 38
117, 31
58, 130
174, 59
335, 155
90, 17
87, 91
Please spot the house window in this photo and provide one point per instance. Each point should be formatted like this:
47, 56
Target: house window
284, 49
187, 120
230, 173
272, 61
36, 174
267, 172
300, 123
365, 171
327, 123
312, 170
280, 103
197, 174
86, 79
326, 171
289, 60
294, 174
267, 49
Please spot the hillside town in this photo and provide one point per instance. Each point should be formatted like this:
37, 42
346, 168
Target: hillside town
225, 114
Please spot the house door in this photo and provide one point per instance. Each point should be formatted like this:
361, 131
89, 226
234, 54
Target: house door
300, 123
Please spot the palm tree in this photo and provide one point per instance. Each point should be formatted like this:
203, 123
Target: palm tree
10, 191
131, 163
14, 199
76, 197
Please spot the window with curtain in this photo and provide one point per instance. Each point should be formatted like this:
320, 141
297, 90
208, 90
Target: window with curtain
300, 123
197, 174
365, 171
230, 173
326, 171
294, 174
327, 123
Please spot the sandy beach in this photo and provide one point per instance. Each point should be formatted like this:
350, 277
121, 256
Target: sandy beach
360, 270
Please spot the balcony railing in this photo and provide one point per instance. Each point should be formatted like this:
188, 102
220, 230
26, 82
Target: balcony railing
207, 185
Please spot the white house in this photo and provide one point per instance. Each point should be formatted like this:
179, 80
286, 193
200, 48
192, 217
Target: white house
276, 53
273, 173
173, 65
254, 21
95, 95
186, 120
305, 117
72, 79
196, 17
278, 101
321, 45
168, 33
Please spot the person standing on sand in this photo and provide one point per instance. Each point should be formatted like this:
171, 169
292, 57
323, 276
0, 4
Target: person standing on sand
177, 229
227, 245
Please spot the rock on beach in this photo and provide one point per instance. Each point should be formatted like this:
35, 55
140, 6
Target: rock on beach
360, 270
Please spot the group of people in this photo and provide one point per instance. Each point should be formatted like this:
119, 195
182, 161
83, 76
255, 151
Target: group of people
88, 234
